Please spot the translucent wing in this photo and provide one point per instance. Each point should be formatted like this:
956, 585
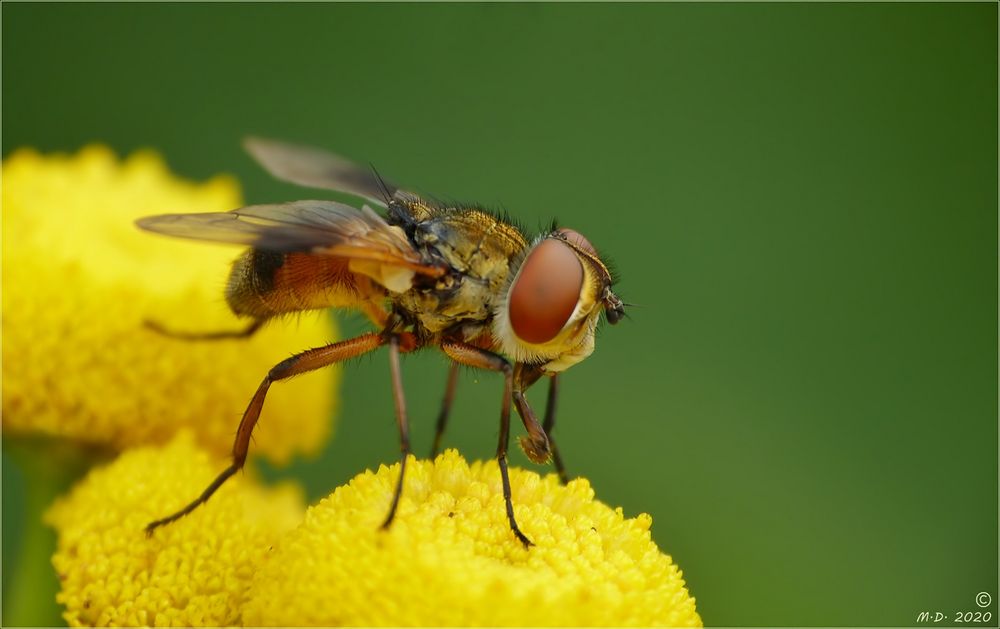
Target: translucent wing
375, 248
316, 168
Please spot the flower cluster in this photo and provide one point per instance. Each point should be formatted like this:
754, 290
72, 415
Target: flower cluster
195, 573
449, 558
80, 280
79, 364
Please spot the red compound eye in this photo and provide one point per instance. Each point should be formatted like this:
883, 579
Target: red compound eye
578, 239
545, 292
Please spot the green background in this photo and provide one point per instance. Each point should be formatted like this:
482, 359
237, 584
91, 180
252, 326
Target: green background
801, 198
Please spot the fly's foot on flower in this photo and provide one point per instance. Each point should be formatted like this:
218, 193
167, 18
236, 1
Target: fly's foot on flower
521, 536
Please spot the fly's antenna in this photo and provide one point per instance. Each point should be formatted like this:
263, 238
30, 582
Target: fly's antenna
381, 184
630, 305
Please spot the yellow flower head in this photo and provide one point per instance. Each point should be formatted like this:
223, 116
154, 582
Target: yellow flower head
194, 572
79, 279
449, 557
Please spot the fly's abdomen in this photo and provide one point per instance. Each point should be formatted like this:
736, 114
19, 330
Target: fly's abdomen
264, 284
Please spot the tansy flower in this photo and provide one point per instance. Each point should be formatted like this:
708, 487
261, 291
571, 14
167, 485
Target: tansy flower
79, 279
449, 557
194, 572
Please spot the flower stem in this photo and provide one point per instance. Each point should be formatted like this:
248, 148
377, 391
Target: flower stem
47, 468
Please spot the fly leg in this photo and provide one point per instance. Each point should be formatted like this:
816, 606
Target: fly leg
540, 444
473, 356
536, 444
246, 332
550, 423
299, 363
404, 428
442, 420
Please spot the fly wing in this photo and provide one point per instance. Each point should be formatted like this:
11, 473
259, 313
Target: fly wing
316, 168
324, 228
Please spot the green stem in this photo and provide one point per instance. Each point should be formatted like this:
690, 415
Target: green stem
48, 468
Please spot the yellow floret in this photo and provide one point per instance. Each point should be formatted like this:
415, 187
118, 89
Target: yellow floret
449, 557
194, 572
79, 279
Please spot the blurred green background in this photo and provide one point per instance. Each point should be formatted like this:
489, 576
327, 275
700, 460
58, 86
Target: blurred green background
801, 198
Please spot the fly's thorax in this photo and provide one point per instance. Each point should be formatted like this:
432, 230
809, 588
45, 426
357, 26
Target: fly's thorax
549, 309
451, 302
478, 249
471, 241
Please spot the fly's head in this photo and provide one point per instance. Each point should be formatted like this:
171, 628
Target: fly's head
548, 312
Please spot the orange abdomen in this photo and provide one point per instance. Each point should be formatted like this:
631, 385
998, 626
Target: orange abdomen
264, 284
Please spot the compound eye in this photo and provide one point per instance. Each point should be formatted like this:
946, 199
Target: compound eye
545, 292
